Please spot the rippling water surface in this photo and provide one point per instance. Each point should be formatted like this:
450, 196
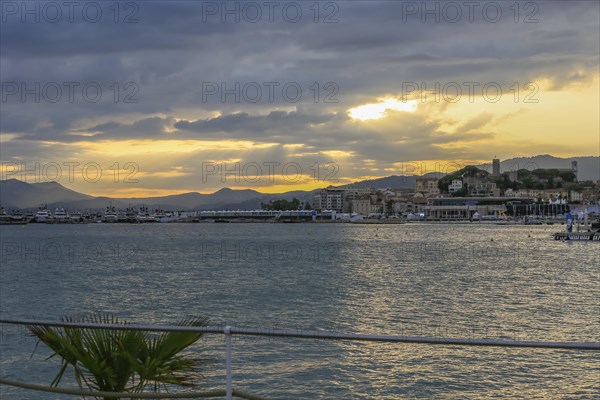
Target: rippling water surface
480, 281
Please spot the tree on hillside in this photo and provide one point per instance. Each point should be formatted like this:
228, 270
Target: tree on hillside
567, 176
282, 205
462, 192
468, 171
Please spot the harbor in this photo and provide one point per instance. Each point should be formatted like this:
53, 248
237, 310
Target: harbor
409, 280
143, 214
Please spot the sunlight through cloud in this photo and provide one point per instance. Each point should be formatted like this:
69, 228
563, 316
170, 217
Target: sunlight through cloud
378, 110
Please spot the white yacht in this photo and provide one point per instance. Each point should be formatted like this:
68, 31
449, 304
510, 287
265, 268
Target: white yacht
110, 215
130, 215
14, 218
43, 215
60, 216
162, 216
145, 216
75, 217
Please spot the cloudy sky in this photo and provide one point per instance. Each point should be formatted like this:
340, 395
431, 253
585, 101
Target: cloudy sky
171, 97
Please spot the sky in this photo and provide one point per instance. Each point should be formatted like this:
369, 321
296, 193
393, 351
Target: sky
149, 98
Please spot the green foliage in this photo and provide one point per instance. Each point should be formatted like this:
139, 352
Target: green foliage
529, 183
121, 360
537, 179
567, 176
549, 175
472, 172
282, 205
578, 187
523, 174
462, 192
389, 207
468, 171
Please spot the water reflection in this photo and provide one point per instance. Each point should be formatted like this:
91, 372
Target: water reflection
459, 281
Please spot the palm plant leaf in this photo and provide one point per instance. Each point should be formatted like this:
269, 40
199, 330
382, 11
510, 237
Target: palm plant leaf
121, 360
159, 362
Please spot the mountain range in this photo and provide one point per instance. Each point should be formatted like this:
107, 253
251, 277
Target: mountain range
18, 194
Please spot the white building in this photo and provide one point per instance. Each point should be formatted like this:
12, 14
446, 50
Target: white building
575, 196
455, 186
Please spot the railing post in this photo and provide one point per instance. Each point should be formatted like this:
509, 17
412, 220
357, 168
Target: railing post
228, 385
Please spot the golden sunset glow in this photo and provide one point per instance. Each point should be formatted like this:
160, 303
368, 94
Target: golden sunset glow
162, 147
388, 112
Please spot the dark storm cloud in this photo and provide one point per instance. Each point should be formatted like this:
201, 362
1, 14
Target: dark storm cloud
243, 122
373, 49
143, 129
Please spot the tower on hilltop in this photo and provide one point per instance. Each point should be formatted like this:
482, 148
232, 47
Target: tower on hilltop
496, 167
574, 169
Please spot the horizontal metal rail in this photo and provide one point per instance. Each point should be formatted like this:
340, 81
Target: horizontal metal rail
311, 334
228, 331
77, 392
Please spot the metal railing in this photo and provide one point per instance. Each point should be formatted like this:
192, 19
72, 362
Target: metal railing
229, 331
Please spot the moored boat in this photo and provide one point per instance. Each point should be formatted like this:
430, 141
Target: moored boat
589, 232
76, 217
145, 216
110, 215
61, 217
14, 218
43, 215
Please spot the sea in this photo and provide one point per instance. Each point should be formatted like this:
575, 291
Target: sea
479, 281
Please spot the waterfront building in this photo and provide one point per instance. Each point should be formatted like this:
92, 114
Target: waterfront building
357, 191
483, 189
419, 204
547, 194
591, 196
414, 204
427, 186
465, 207
330, 198
361, 205
354, 193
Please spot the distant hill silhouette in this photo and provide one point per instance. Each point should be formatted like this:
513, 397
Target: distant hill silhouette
15, 193
589, 166
18, 194
394, 181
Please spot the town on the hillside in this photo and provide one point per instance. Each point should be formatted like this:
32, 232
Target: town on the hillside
472, 193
